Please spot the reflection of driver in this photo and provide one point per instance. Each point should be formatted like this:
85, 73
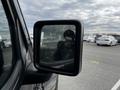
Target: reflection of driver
65, 49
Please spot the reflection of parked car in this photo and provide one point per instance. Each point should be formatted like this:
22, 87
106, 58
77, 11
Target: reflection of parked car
4, 42
0, 38
7, 43
1, 42
106, 40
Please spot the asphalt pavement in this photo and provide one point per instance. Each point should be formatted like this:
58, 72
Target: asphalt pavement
100, 70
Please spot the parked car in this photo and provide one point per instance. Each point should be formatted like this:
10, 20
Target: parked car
91, 39
85, 38
97, 36
117, 37
0, 38
1, 42
106, 40
7, 43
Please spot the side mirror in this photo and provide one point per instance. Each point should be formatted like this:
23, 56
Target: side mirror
58, 46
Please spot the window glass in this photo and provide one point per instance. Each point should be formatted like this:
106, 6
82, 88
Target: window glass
101, 56
5, 47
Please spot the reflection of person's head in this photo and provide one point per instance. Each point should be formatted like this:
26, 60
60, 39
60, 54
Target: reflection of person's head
69, 35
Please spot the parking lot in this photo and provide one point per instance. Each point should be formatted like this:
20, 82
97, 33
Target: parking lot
100, 70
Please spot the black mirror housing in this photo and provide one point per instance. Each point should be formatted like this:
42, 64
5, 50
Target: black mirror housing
49, 36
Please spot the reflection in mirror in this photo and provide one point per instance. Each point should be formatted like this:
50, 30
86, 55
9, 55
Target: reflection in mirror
57, 46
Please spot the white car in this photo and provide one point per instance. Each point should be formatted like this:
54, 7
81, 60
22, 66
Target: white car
0, 38
85, 38
7, 43
106, 40
91, 39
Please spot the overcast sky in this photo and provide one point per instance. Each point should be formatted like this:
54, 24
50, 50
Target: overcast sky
97, 15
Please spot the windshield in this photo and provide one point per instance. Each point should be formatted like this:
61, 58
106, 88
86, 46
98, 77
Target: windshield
101, 60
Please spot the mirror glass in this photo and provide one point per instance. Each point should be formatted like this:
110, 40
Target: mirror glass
57, 47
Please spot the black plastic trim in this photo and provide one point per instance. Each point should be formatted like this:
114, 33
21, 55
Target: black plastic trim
17, 68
